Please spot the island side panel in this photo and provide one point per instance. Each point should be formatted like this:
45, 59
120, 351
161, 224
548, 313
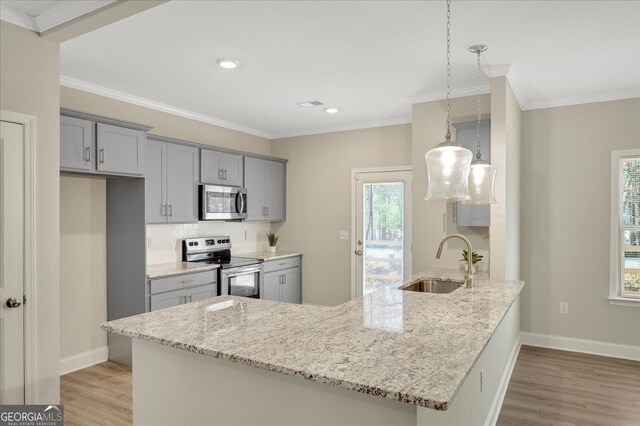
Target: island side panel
173, 386
478, 403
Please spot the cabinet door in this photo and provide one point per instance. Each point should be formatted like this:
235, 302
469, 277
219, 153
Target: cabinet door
120, 150
167, 300
200, 293
182, 183
155, 182
291, 288
232, 169
253, 183
211, 167
271, 288
274, 190
76, 143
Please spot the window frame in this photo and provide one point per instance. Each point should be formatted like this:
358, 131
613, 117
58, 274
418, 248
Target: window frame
615, 270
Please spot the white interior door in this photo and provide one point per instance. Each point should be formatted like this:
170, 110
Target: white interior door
382, 245
12, 264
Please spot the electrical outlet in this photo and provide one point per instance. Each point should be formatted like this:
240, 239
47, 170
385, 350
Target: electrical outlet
481, 380
564, 308
344, 235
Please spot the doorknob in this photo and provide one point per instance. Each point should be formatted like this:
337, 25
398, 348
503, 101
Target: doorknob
359, 242
12, 302
359, 252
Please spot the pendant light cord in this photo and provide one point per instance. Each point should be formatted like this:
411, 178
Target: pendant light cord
478, 155
448, 133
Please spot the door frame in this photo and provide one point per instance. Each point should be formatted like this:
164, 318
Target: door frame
28, 123
354, 189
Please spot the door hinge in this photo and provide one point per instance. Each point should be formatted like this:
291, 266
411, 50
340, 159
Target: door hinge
24, 299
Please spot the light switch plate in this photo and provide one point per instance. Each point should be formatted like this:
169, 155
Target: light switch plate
564, 308
344, 235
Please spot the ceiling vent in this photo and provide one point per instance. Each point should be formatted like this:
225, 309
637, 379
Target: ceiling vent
310, 104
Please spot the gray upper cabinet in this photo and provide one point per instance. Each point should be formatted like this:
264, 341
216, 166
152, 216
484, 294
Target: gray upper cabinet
171, 183
120, 150
220, 168
76, 143
266, 189
466, 135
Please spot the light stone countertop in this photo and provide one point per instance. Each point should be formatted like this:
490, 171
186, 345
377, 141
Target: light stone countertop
412, 347
176, 268
266, 256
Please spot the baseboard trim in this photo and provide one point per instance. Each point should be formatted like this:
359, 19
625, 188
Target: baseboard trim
494, 412
572, 344
83, 360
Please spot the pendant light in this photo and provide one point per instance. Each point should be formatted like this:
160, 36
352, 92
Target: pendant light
482, 177
449, 163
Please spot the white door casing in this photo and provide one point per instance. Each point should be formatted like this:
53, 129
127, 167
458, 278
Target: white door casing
360, 177
17, 260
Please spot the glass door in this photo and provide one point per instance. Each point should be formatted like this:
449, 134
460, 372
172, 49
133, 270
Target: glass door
383, 230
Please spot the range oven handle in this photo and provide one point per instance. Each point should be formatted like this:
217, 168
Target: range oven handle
242, 271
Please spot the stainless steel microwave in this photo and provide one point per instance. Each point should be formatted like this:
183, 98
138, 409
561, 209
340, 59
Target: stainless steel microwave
218, 202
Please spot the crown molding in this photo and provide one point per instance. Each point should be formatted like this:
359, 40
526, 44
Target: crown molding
343, 127
17, 17
457, 93
584, 99
66, 11
136, 100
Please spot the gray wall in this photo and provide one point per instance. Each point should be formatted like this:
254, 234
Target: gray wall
566, 156
30, 84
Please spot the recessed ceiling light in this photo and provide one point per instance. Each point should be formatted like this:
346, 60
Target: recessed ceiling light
309, 104
331, 110
228, 64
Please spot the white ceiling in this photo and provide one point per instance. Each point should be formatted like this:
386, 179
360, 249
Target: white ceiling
370, 59
42, 15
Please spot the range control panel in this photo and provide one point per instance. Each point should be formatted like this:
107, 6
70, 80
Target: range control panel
207, 244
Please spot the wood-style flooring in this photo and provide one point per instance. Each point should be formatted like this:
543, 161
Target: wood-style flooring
547, 387
550, 387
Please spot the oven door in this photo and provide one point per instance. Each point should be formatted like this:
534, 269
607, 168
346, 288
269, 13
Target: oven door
244, 281
222, 202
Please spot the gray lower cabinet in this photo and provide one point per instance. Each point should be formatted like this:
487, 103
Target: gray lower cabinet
120, 150
98, 148
171, 183
466, 135
76, 143
221, 168
283, 280
265, 181
175, 290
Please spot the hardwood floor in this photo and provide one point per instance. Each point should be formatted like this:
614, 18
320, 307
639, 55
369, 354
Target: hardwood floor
550, 387
98, 395
547, 387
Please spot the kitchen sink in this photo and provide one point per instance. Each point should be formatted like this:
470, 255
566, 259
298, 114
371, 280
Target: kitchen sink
432, 286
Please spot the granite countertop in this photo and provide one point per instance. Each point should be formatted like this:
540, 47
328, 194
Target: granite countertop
412, 347
266, 256
176, 268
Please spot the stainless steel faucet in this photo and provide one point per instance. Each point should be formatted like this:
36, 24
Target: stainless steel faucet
468, 278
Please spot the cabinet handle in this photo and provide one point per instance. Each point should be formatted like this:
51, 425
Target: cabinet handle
267, 208
87, 154
101, 155
225, 175
220, 174
186, 281
171, 210
164, 209
284, 279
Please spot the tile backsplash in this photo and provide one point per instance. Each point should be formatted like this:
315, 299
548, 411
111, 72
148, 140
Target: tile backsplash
164, 242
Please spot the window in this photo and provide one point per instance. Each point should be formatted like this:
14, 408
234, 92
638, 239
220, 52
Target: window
625, 228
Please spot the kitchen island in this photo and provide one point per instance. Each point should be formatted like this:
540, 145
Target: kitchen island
388, 357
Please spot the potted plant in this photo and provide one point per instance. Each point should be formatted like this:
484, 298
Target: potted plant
475, 259
273, 240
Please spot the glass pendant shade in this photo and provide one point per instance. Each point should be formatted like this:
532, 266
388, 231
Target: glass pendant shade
448, 168
482, 181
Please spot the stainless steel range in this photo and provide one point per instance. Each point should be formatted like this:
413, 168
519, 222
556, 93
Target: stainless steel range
237, 276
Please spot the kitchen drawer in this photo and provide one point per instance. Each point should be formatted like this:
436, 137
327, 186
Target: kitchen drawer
177, 282
279, 264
